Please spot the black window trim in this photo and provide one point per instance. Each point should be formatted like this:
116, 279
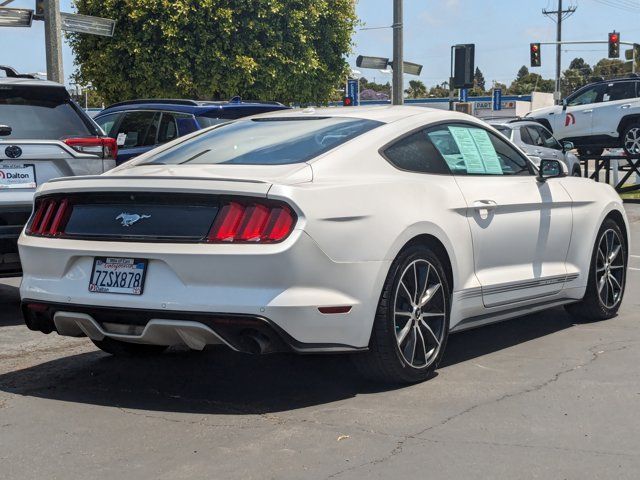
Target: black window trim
381, 150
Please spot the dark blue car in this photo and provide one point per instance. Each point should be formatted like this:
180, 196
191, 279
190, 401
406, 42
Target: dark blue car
140, 125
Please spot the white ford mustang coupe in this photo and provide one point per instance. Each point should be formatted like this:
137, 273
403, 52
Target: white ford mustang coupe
376, 231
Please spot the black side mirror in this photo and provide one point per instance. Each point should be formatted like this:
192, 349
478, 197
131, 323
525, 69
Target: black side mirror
549, 169
5, 130
564, 104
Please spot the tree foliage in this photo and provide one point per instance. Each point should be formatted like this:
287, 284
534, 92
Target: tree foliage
478, 80
287, 50
416, 89
609, 68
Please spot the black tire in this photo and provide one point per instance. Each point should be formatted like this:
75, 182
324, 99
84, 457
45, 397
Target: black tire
576, 171
384, 361
588, 152
126, 349
631, 139
592, 307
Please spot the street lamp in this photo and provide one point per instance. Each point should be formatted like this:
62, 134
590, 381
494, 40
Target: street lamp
15, 17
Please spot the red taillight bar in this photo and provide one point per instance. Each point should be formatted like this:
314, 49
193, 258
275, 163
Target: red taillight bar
251, 222
50, 217
107, 145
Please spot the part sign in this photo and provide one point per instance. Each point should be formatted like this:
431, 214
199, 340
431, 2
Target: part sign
17, 176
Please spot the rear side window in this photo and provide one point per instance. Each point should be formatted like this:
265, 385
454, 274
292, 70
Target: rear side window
41, 113
619, 91
525, 136
138, 129
269, 141
470, 150
415, 153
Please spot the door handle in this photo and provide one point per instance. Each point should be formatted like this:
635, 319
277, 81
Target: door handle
484, 204
588, 111
625, 106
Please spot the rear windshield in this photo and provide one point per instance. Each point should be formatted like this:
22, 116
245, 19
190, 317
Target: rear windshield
40, 114
268, 141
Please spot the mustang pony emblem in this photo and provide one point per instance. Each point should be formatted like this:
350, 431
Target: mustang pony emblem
129, 219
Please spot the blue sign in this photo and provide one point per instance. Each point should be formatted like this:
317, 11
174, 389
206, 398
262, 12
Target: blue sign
464, 94
353, 86
497, 99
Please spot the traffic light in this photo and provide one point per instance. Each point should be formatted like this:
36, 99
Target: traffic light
534, 50
347, 101
614, 45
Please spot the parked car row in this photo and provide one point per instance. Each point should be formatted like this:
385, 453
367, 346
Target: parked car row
375, 231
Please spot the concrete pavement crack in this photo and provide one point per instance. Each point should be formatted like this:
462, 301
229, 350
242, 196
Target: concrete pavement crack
596, 351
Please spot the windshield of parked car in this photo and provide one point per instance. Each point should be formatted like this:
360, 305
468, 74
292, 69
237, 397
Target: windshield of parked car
265, 141
43, 113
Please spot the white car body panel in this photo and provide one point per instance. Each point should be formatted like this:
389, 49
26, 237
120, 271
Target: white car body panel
356, 211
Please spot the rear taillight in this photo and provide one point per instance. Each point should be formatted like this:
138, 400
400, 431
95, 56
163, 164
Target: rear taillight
50, 217
105, 147
251, 222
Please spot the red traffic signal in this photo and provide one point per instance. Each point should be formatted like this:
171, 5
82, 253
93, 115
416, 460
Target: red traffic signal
347, 101
536, 59
614, 45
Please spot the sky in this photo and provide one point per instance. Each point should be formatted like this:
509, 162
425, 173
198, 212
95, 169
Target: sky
500, 29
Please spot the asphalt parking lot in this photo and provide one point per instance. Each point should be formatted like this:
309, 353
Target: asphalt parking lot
536, 397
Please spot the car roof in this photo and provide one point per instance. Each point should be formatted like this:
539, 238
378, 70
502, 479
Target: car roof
195, 107
380, 113
29, 82
512, 123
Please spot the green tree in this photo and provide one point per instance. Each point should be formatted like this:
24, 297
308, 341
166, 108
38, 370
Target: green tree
531, 82
287, 50
609, 68
523, 72
416, 89
478, 80
583, 67
571, 80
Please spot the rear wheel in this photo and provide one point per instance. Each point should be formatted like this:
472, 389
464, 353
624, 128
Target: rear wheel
631, 139
412, 321
576, 171
126, 349
607, 276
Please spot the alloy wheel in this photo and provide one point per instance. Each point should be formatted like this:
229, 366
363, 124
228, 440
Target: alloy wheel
419, 314
610, 268
632, 140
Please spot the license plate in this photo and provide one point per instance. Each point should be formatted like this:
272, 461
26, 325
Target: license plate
17, 176
118, 275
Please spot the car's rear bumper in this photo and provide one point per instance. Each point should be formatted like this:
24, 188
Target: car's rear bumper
285, 283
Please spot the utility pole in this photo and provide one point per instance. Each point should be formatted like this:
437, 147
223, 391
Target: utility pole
53, 40
398, 61
560, 15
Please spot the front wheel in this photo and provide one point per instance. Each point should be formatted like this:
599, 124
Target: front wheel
607, 276
631, 139
411, 326
576, 171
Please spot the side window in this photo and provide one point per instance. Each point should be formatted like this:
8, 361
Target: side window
548, 140
525, 137
139, 129
168, 128
470, 150
415, 153
589, 95
534, 134
107, 123
619, 91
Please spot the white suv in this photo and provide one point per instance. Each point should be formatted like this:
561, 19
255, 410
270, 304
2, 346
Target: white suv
600, 115
43, 135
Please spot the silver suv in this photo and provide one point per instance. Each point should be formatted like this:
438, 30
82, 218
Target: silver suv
537, 142
43, 135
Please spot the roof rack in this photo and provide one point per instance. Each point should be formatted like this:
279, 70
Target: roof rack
167, 101
238, 99
12, 73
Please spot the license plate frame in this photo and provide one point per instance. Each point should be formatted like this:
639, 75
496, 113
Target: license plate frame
18, 186
126, 263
